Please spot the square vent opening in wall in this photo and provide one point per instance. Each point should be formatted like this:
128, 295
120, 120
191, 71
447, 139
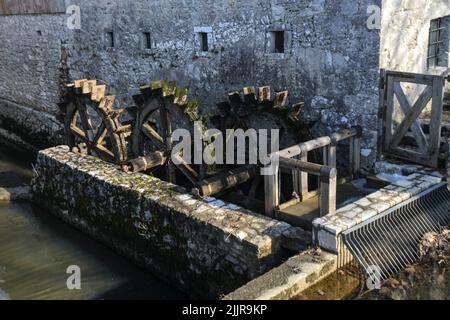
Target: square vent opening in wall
203, 40
277, 39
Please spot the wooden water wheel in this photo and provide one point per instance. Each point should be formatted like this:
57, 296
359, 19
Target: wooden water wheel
92, 124
251, 102
162, 108
262, 109
259, 108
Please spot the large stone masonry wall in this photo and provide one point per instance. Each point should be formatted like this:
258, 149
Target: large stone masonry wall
331, 59
206, 247
31, 76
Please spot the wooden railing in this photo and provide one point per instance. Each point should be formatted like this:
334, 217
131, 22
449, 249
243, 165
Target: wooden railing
295, 159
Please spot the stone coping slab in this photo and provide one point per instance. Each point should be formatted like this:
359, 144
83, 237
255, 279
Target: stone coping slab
19, 194
289, 279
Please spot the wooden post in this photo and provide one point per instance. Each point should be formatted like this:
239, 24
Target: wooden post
355, 154
166, 124
303, 191
272, 193
436, 119
327, 195
300, 179
381, 113
356, 157
389, 113
330, 155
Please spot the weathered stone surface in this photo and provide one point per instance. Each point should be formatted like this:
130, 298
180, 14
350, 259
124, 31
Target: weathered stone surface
405, 34
209, 248
296, 239
288, 280
331, 59
15, 194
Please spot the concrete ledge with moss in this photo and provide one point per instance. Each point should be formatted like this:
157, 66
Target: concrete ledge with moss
204, 246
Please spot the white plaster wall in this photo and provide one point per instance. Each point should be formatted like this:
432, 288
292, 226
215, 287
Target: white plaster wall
404, 33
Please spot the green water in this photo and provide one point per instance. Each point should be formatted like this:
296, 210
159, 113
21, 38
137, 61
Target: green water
36, 249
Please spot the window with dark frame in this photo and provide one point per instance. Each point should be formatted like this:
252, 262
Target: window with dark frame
203, 41
436, 44
110, 39
147, 40
278, 41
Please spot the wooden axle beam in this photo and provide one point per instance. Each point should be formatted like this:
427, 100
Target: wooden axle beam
153, 160
225, 180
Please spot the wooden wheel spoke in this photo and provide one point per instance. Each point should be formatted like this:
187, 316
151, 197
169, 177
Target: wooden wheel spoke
100, 135
104, 150
79, 133
86, 122
154, 136
187, 170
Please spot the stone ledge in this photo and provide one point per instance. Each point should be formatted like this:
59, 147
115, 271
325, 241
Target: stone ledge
18, 194
206, 246
326, 230
288, 280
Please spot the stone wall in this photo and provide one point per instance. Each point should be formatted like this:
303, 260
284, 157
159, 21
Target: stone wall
330, 60
405, 31
204, 246
31, 76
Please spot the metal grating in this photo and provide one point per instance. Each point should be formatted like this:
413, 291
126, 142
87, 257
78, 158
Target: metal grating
390, 241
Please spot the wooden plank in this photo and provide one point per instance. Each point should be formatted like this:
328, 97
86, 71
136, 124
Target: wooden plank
355, 157
345, 134
294, 113
300, 179
389, 112
152, 135
304, 166
281, 99
411, 156
436, 119
272, 193
305, 147
100, 135
330, 156
23, 7
416, 126
327, 195
166, 127
381, 113
423, 81
98, 93
264, 94
85, 122
186, 169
